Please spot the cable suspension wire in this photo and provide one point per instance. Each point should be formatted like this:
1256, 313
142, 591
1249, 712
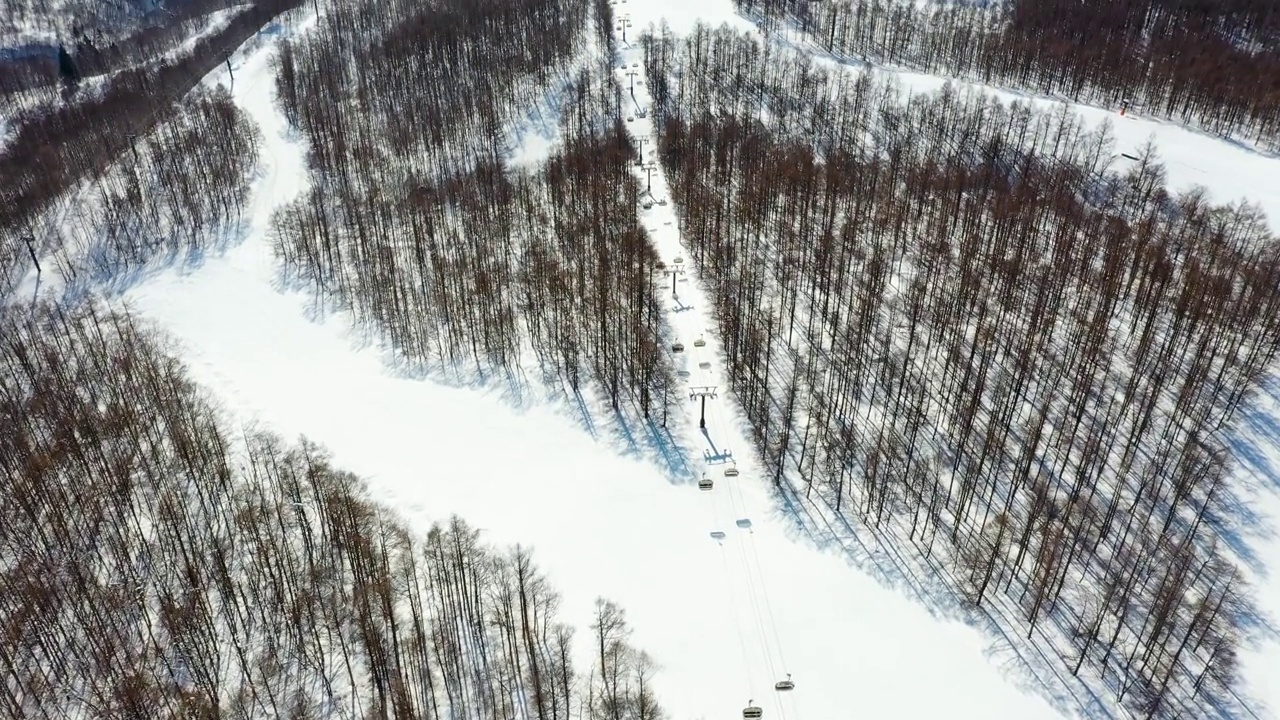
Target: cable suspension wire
773, 623
729, 586
759, 622
739, 507
753, 578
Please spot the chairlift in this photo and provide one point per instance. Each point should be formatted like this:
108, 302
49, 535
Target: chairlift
678, 260
683, 374
717, 536
705, 365
743, 523
731, 472
699, 343
751, 712
677, 347
705, 483
663, 202
784, 685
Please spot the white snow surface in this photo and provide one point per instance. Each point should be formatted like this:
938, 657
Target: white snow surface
1229, 171
722, 621
599, 523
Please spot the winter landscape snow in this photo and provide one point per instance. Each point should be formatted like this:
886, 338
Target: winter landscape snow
531, 474
723, 619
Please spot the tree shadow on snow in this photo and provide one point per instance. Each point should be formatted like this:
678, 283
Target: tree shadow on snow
98, 270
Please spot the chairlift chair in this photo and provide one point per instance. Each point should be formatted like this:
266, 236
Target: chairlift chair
705, 483
699, 343
784, 685
718, 536
752, 712
683, 374
731, 472
744, 523
677, 347
704, 365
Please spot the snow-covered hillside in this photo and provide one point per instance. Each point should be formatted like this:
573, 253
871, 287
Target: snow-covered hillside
599, 522
723, 619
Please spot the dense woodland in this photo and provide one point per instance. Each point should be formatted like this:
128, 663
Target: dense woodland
60, 147
174, 194
973, 329
155, 563
90, 38
414, 222
1212, 64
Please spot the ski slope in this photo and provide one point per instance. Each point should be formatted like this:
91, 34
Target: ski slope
600, 523
723, 621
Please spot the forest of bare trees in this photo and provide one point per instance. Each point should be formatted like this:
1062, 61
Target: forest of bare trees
1215, 65
173, 194
976, 330
60, 148
97, 38
415, 222
155, 563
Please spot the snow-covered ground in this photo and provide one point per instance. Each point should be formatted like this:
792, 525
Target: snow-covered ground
600, 523
724, 621
1228, 170
1257, 529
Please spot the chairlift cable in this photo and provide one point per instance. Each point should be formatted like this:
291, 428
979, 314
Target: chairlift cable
759, 621
737, 625
777, 637
733, 604
739, 508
